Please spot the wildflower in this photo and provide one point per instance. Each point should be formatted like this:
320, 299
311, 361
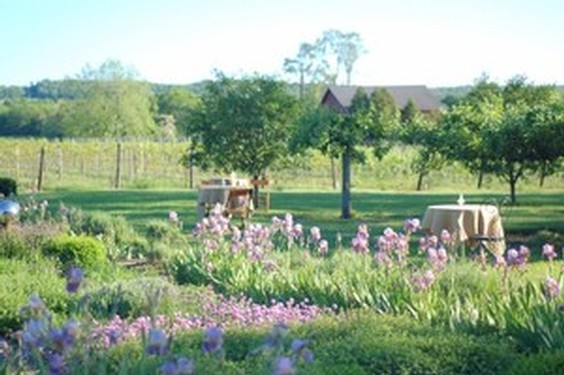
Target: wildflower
56, 364
276, 336
64, 339
34, 333
524, 253
411, 225
35, 308
158, 343
180, 366
74, 279
213, 340
315, 234
512, 257
300, 349
421, 282
173, 217
382, 258
551, 288
446, 238
283, 366
360, 244
323, 247
500, 262
548, 251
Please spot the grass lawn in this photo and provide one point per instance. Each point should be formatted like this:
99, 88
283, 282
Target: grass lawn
536, 217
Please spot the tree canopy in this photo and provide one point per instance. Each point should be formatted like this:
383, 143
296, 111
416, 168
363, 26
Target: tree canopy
243, 124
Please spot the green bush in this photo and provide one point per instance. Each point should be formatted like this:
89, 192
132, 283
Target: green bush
19, 280
81, 251
119, 236
24, 240
8, 186
163, 231
133, 298
546, 363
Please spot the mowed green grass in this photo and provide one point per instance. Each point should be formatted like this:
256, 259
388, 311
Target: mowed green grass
535, 218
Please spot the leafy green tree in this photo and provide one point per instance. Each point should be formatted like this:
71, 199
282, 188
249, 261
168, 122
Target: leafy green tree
547, 137
29, 118
423, 133
243, 124
180, 104
503, 130
117, 108
367, 122
113, 104
465, 127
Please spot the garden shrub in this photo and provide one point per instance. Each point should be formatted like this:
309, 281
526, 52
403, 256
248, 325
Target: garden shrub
119, 236
81, 251
133, 298
19, 280
24, 240
544, 363
163, 231
383, 344
8, 186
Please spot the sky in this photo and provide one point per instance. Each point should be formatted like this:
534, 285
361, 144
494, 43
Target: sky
438, 43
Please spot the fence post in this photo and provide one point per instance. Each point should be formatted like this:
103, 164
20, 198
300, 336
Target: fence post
60, 161
41, 168
118, 166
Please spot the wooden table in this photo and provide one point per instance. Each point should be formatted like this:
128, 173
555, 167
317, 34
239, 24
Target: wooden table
467, 223
231, 199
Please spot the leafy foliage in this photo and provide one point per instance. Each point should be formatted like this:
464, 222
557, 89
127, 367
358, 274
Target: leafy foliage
81, 251
243, 124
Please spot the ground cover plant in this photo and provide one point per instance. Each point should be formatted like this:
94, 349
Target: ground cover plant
209, 298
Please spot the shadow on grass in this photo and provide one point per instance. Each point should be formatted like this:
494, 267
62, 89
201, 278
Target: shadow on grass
532, 214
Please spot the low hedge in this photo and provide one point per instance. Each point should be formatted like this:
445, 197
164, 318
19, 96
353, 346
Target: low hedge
81, 251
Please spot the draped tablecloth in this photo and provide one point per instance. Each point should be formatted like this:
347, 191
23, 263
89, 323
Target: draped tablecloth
467, 223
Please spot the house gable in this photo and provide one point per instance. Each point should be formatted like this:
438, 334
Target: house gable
340, 97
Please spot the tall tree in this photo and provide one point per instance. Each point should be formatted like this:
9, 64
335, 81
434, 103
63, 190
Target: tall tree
308, 65
423, 133
180, 104
343, 134
502, 130
111, 109
466, 124
346, 49
113, 104
243, 124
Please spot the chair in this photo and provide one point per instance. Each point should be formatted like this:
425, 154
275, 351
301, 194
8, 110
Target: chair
239, 203
263, 198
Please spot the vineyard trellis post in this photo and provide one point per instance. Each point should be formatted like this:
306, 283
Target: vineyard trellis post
40, 174
118, 166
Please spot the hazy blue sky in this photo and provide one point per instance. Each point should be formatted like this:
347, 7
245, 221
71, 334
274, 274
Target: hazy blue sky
431, 42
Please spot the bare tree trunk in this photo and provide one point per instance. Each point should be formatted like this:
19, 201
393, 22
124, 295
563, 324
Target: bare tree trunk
542, 175
118, 166
346, 188
480, 179
420, 181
